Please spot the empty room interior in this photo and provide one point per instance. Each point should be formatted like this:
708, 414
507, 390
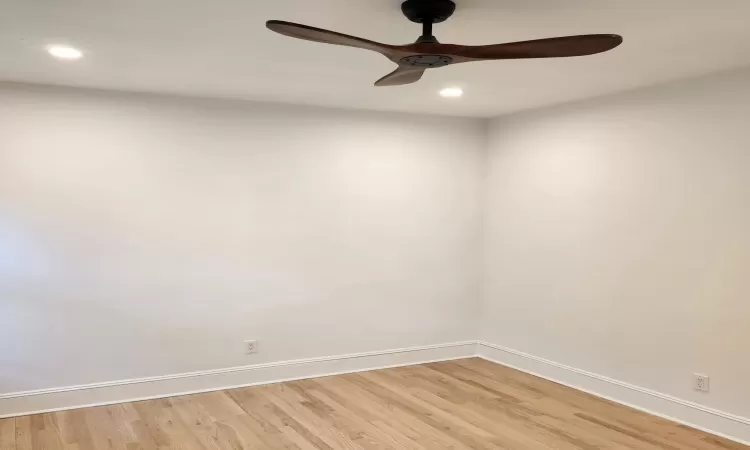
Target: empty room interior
374, 224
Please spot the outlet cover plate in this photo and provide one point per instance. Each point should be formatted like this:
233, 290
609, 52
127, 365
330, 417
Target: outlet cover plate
701, 382
251, 347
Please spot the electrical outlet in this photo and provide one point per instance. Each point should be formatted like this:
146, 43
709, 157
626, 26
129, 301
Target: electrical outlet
251, 347
701, 382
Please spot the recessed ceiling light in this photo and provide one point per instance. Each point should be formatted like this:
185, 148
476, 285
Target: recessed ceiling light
452, 92
64, 52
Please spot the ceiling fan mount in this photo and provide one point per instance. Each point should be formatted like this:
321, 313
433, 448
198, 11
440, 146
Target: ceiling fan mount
433, 11
428, 53
428, 12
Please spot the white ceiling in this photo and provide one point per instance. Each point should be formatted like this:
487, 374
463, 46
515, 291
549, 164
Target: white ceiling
221, 48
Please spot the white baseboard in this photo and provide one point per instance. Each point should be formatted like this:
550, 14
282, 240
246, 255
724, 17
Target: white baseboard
97, 394
713, 421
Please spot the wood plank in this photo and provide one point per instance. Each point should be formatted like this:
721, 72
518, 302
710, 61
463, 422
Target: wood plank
510, 419
386, 416
74, 430
503, 432
365, 433
215, 419
162, 427
23, 433
7, 434
316, 430
270, 428
38, 431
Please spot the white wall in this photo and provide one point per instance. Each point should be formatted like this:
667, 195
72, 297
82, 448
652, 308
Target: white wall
618, 237
144, 236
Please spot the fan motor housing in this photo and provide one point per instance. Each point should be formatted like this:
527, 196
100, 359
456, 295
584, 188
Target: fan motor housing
426, 61
432, 11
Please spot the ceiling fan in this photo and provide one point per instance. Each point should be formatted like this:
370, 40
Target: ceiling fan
428, 53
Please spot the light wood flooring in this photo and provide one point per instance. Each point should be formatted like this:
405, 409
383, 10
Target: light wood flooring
458, 405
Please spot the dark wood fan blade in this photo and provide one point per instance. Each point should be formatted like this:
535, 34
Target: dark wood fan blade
400, 76
308, 33
542, 48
